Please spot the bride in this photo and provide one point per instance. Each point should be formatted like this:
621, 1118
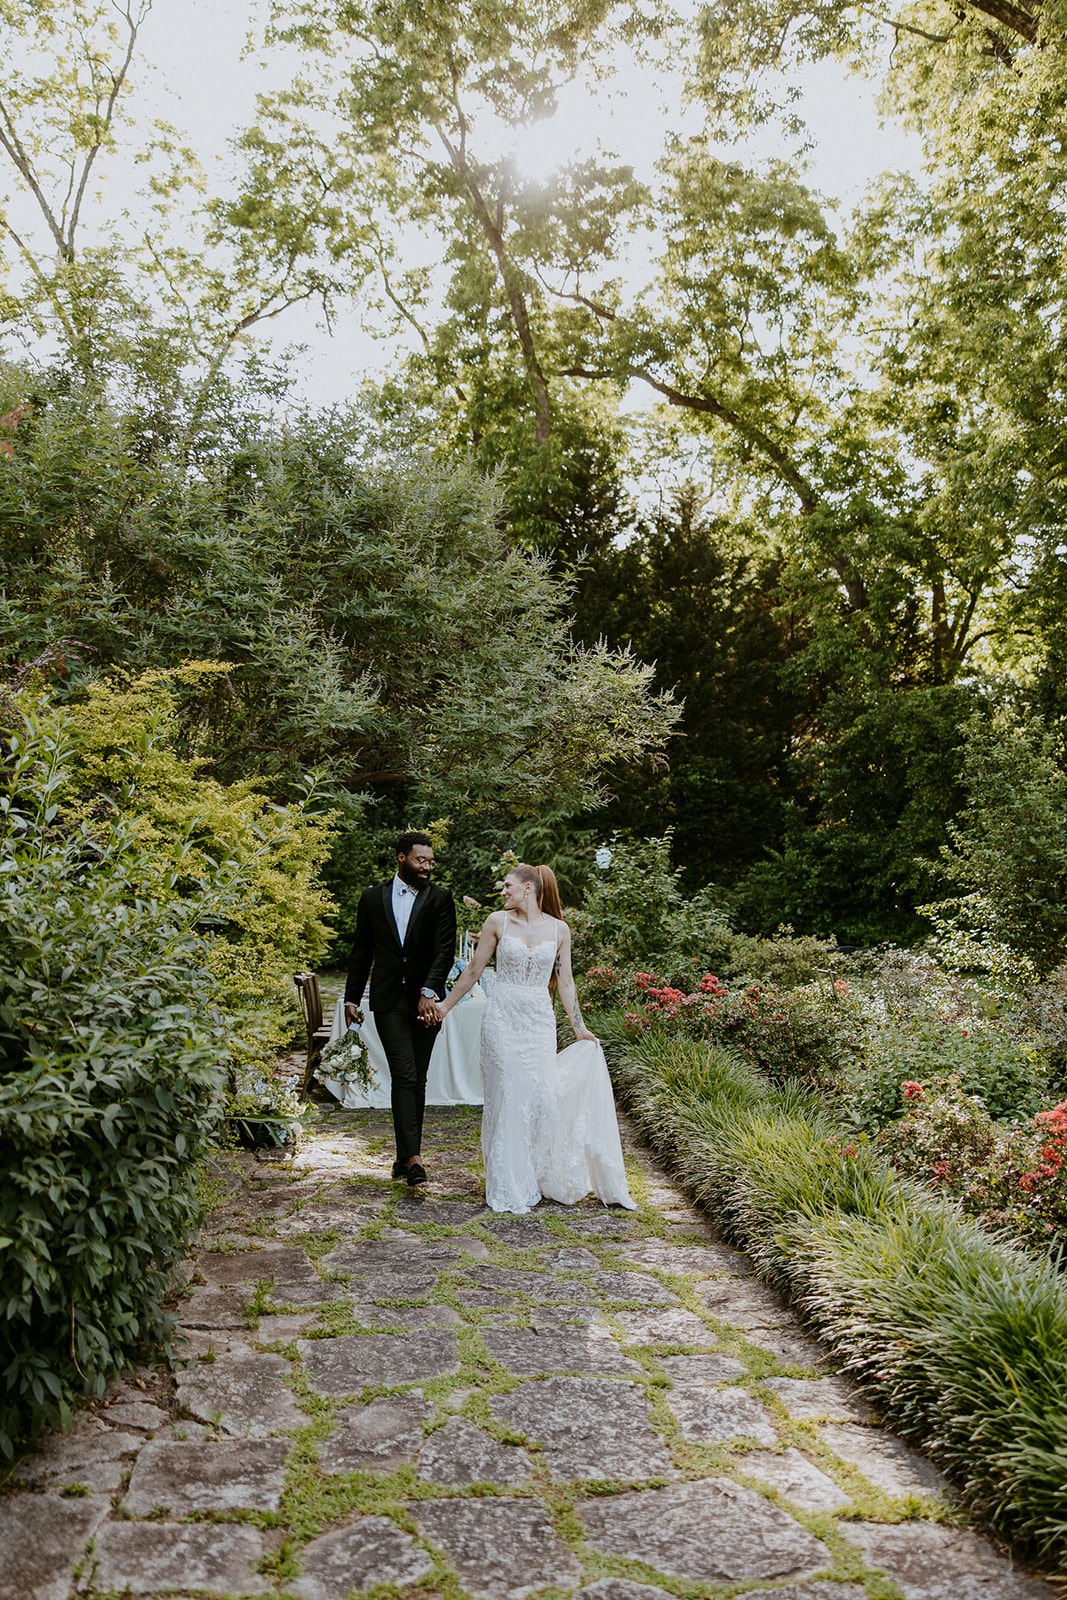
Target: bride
549, 1127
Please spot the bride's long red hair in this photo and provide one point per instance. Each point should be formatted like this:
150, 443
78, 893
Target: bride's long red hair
543, 880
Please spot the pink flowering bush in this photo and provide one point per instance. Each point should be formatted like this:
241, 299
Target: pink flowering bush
810, 1034
1011, 1178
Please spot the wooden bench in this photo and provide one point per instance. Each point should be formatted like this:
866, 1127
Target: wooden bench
307, 985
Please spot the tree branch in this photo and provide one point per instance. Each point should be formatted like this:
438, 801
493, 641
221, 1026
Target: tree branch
34, 266
809, 497
520, 313
1019, 20
117, 81
11, 142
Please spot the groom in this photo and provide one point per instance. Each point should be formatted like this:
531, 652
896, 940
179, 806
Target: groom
406, 933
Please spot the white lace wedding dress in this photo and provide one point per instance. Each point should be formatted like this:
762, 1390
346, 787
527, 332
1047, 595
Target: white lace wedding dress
549, 1128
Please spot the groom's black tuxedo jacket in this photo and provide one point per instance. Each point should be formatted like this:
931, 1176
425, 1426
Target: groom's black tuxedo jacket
399, 972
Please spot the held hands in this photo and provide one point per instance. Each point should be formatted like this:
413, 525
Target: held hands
429, 1012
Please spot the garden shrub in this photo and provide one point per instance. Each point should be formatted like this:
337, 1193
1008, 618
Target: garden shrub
192, 831
809, 1034
1014, 1180
112, 1072
959, 1337
151, 922
787, 960
1011, 1079
1008, 853
635, 913
1040, 1013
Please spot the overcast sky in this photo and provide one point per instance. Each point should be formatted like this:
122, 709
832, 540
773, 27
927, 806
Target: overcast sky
203, 86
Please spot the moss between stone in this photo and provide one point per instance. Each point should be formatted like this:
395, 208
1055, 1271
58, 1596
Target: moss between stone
313, 1501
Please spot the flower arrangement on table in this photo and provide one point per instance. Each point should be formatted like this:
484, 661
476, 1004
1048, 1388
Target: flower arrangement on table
346, 1061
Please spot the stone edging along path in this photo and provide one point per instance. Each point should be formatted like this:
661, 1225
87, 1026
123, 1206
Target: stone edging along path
398, 1392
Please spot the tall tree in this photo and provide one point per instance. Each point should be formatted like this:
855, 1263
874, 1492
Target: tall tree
700, 597
410, 108
375, 624
110, 288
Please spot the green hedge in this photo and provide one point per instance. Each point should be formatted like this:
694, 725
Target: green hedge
112, 1061
959, 1338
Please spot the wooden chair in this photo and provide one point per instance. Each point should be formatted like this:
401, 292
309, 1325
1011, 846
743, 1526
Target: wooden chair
307, 984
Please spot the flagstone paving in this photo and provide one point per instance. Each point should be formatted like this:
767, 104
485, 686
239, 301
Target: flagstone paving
380, 1387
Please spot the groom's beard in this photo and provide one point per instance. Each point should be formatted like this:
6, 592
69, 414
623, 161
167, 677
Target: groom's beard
412, 877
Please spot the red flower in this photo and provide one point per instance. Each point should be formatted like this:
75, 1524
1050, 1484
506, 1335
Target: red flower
911, 1090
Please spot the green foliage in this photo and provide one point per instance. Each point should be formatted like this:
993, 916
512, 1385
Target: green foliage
193, 831
112, 1057
151, 921
697, 594
363, 851
393, 116
810, 1034
959, 1338
1039, 1013
377, 626
1011, 1078
785, 960
635, 910
1009, 850
875, 793
1013, 1180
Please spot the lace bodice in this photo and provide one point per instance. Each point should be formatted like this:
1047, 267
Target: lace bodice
549, 1124
518, 962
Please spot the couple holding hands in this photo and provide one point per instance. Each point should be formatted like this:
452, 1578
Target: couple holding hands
549, 1128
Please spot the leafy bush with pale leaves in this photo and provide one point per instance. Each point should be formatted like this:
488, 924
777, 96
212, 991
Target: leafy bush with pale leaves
149, 919
195, 831
112, 1074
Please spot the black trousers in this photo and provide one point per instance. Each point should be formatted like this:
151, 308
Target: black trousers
408, 1045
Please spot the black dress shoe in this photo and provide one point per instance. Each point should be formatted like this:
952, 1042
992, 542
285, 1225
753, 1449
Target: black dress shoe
416, 1174
399, 1169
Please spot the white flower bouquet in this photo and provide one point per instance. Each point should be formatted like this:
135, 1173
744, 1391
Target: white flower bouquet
262, 1111
346, 1061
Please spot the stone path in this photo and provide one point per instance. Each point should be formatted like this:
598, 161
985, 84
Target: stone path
401, 1393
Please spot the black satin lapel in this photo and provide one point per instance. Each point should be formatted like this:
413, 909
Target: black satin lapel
387, 901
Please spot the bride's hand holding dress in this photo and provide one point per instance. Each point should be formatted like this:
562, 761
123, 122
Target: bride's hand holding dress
549, 1127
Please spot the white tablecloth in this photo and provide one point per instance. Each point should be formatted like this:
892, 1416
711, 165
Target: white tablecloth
454, 1078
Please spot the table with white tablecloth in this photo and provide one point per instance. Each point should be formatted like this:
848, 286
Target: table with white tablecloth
454, 1078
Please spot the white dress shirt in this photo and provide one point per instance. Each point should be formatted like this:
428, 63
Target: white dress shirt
404, 897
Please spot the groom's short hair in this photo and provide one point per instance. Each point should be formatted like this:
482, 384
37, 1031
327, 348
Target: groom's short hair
407, 842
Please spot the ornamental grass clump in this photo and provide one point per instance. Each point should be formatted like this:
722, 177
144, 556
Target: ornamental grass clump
959, 1336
